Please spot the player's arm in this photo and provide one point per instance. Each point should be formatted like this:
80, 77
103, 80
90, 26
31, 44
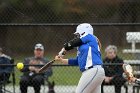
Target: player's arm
58, 58
72, 61
70, 45
73, 43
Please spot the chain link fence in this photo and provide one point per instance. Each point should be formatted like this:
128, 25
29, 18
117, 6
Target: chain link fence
73, 11
18, 41
23, 23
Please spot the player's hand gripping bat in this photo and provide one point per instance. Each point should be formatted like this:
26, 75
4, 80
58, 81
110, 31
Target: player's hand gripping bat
128, 72
47, 65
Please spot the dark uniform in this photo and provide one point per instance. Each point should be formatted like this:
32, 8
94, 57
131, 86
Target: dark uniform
32, 78
5, 71
114, 71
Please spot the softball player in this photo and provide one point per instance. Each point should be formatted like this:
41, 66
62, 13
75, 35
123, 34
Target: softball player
88, 58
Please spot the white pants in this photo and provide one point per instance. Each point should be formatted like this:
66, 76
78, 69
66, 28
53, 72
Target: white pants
91, 80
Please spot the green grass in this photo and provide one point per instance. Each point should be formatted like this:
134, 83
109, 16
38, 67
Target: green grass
65, 75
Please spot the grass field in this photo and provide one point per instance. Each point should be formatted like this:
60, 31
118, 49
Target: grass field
65, 75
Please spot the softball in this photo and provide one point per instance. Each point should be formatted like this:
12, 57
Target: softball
20, 66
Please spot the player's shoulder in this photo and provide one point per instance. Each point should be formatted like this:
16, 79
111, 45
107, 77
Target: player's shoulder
88, 37
91, 36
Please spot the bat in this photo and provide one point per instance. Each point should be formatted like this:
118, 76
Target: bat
128, 70
46, 66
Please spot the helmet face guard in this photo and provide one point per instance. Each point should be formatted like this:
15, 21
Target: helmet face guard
77, 35
84, 29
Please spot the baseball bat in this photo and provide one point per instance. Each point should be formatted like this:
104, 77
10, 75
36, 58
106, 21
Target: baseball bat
46, 66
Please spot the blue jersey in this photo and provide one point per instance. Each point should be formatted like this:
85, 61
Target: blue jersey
88, 53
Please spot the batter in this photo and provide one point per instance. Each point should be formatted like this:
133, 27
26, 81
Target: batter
88, 59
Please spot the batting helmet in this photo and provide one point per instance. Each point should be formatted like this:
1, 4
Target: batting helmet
84, 29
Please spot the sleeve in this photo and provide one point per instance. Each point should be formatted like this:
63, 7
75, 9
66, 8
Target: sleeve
73, 61
87, 38
26, 68
73, 43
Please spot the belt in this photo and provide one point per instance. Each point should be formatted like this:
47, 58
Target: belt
96, 66
90, 67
